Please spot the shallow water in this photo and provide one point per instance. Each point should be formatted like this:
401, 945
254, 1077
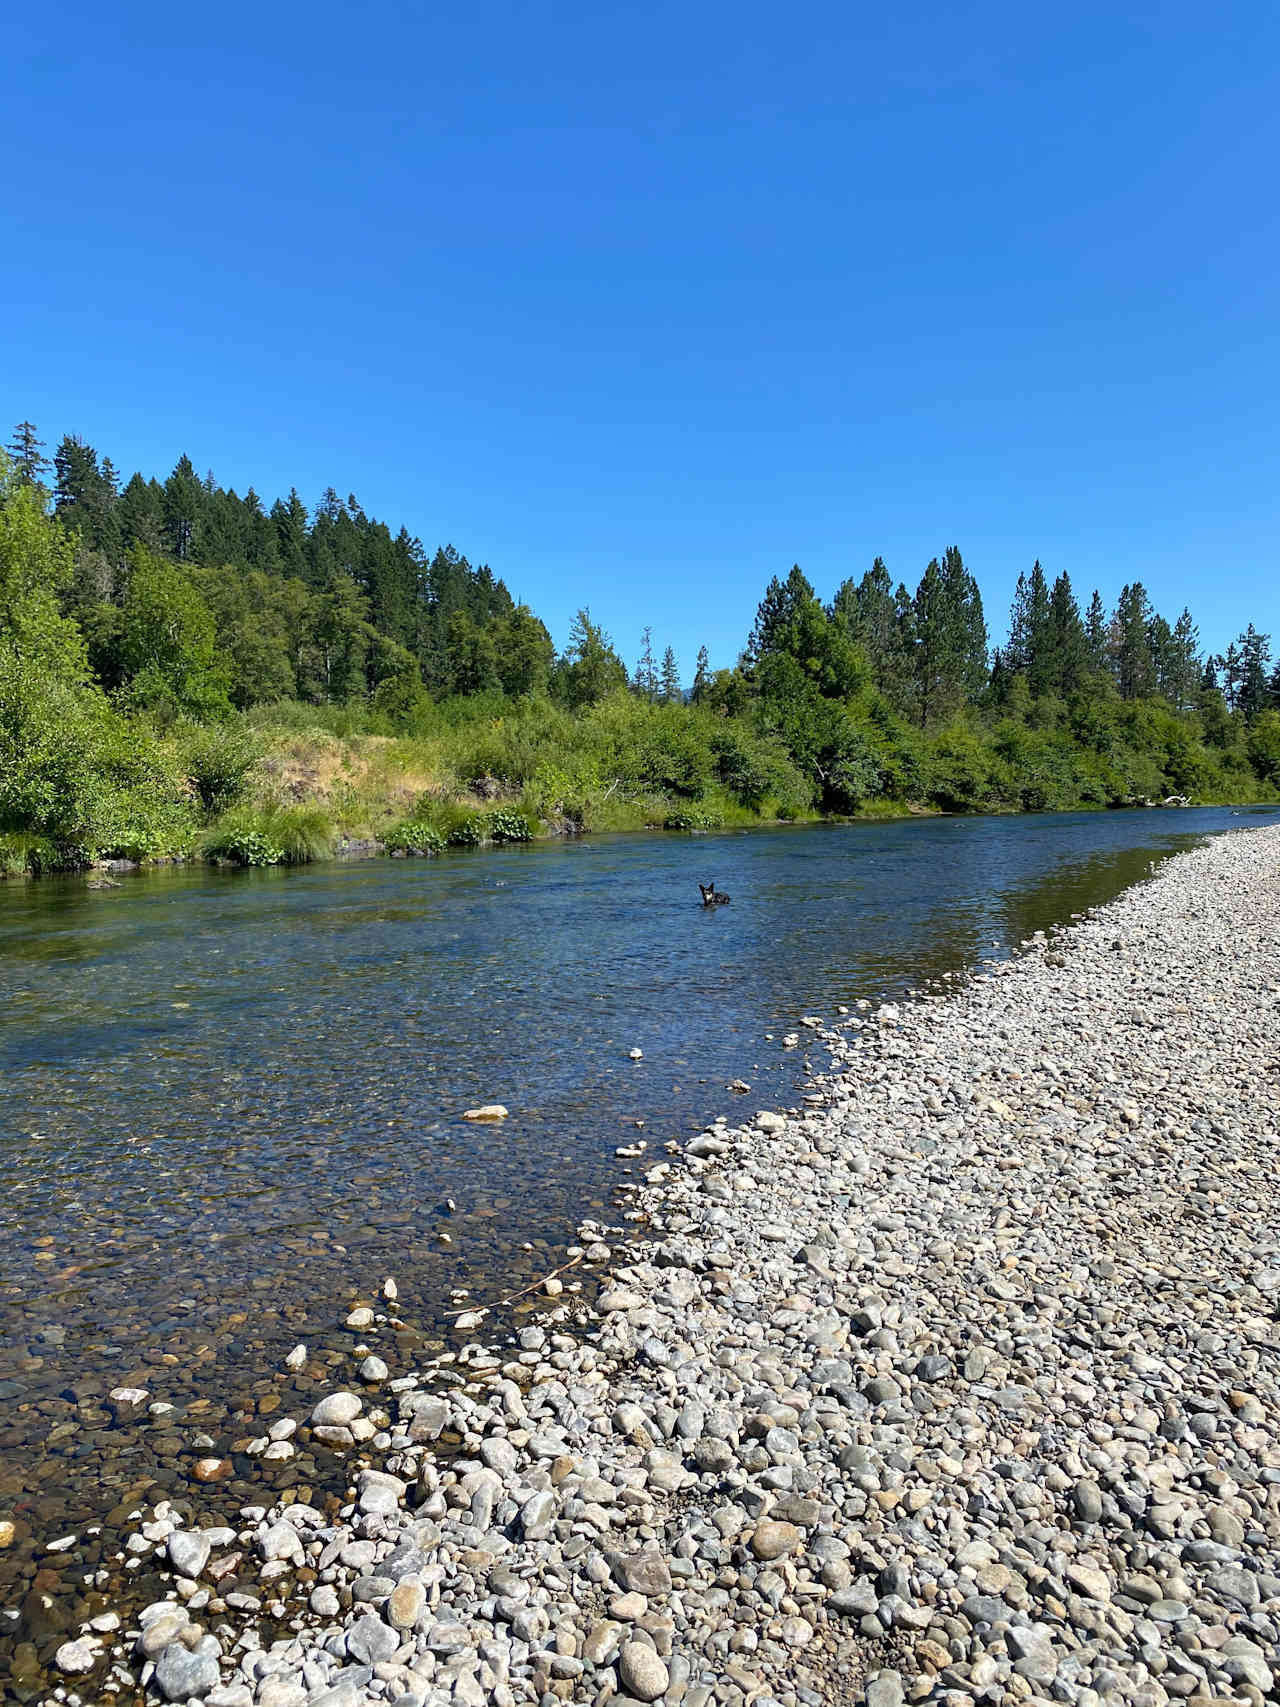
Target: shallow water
233, 1100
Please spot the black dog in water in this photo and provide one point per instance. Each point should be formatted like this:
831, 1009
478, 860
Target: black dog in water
711, 897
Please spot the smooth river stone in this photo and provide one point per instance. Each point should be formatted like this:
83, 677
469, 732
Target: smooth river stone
336, 1410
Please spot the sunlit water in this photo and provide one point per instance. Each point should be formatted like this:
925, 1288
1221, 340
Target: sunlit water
233, 1100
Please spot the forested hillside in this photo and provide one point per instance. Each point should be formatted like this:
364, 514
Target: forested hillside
187, 669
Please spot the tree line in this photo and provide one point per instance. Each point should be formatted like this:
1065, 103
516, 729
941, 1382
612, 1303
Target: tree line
180, 603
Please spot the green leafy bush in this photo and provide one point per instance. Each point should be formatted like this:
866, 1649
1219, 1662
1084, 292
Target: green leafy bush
468, 832
245, 847
218, 760
79, 775
413, 836
280, 835
692, 818
506, 825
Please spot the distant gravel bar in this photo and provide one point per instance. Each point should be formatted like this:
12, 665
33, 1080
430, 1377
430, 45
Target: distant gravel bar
960, 1383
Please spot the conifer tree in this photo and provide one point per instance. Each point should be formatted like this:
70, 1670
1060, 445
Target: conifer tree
645, 680
180, 509
1130, 642
1066, 652
1255, 656
670, 687
1096, 635
26, 455
775, 613
701, 677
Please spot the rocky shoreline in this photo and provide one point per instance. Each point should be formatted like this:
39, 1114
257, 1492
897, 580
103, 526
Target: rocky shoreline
961, 1382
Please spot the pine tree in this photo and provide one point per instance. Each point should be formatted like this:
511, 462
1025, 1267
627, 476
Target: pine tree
1067, 650
1183, 671
1255, 656
1230, 664
701, 677
934, 673
181, 506
968, 624
140, 515
1130, 643
1096, 635
645, 680
1160, 645
950, 639
289, 518
1040, 662
26, 453
670, 690
869, 613
775, 613
590, 668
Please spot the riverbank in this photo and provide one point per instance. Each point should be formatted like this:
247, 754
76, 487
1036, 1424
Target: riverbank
958, 1382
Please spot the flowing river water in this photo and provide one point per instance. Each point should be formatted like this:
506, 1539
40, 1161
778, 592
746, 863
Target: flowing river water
232, 1105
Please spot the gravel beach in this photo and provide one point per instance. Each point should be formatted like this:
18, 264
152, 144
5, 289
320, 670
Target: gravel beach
960, 1382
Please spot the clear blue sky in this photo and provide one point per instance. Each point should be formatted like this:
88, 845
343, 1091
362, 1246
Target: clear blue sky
641, 305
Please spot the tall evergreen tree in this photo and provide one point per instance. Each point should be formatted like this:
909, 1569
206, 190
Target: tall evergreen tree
1096, 635
1067, 651
701, 676
181, 506
289, 518
645, 680
590, 668
1255, 656
1130, 642
935, 672
969, 627
140, 515
1029, 627
26, 454
1181, 682
776, 611
670, 689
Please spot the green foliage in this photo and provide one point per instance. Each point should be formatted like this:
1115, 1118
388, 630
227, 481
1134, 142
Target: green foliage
506, 825
1263, 746
243, 846
467, 831
23, 855
74, 771
168, 656
278, 835
218, 761
590, 668
689, 818
37, 564
964, 774
413, 836
147, 605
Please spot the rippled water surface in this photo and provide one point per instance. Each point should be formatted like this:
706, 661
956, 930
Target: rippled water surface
232, 1101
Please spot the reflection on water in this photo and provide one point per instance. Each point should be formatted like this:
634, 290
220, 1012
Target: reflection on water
240, 1094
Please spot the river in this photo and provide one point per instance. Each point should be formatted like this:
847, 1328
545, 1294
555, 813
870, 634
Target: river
233, 1105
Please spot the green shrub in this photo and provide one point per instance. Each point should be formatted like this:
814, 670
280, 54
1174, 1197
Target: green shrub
279, 835
693, 818
467, 832
76, 773
506, 825
413, 836
218, 761
22, 854
245, 847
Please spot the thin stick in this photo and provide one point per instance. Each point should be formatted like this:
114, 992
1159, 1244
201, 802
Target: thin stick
532, 1287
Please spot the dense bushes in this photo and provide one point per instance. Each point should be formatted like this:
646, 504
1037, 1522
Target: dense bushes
278, 835
80, 776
